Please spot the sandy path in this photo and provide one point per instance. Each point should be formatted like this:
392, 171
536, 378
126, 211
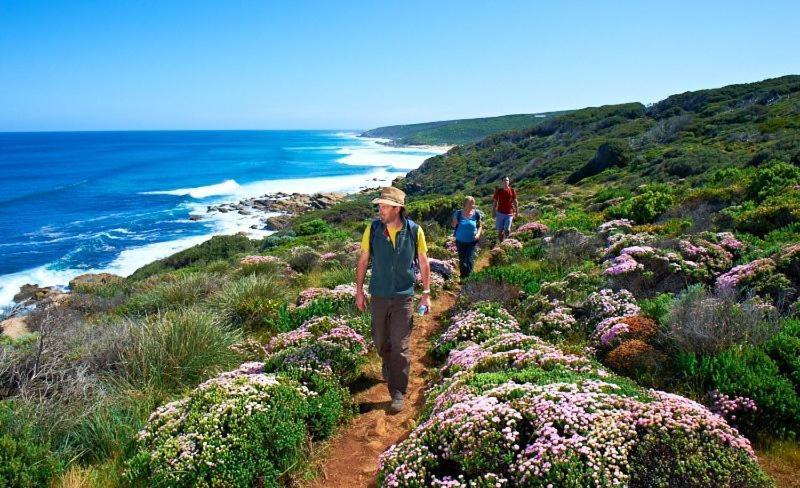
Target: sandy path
354, 454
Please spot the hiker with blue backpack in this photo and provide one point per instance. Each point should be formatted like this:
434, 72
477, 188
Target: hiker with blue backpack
396, 246
467, 225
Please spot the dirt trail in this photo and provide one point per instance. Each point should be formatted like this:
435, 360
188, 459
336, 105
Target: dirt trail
353, 459
354, 454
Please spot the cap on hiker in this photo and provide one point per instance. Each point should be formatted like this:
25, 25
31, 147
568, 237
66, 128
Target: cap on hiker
391, 196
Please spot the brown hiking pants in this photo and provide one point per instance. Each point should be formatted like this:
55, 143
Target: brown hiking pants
392, 321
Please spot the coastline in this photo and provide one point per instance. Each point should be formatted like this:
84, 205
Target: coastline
387, 166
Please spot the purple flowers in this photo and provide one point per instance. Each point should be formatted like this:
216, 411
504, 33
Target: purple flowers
606, 303
739, 275
531, 229
476, 326
727, 407
340, 292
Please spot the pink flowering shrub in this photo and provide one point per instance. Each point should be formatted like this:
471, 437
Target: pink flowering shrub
253, 260
513, 410
450, 244
615, 227
587, 433
554, 321
326, 329
512, 350
474, 326
510, 244
647, 271
531, 230
324, 345
617, 242
760, 276
607, 303
729, 407
339, 293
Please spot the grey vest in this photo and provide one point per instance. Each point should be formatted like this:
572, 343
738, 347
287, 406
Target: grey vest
393, 273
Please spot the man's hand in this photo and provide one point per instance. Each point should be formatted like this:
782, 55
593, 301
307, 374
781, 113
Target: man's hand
425, 300
361, 300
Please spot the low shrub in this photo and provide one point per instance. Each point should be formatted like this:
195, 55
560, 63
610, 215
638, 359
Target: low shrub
181, 291
303, 259
242, 428
216, 248
645, 207
177, 349
634, 358
705, 323
250, 302
750, 373
26, 460
311, 227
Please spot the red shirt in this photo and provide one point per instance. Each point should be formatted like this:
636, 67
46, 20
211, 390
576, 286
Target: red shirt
504, 198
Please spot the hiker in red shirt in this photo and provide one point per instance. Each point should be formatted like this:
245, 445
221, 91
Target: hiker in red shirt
505, 208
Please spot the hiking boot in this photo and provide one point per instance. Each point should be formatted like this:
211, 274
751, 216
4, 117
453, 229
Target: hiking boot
385, 371
397, 403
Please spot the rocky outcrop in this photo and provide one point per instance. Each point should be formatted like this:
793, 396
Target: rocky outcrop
94, 279
35, 293
286, 204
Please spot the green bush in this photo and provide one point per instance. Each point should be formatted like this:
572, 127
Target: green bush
311, 227
25, 458
185, 290
216, 248
678, 459
337, 275
238, 431
250, 302
645, 207
657, 308
177, 349
774, 212
287, 319
303, 259
784, 349
439, 209
330, 404
772, 179
528, 278
751, 373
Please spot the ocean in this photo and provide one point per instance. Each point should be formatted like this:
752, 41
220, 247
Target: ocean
77, 202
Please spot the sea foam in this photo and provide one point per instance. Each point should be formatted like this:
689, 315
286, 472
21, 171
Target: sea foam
227, 187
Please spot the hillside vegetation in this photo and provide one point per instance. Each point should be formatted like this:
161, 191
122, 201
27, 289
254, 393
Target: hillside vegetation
461, 131
640, 327
684, 136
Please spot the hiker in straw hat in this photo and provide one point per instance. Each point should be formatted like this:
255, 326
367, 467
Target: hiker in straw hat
395, 244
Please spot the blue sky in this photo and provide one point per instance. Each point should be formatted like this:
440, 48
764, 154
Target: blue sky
107, 65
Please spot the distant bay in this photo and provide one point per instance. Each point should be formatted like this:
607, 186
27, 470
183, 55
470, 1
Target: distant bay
75, 202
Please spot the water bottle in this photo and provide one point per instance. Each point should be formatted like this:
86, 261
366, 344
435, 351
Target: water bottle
423, 309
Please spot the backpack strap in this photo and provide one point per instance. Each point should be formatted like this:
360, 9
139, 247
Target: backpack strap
373, 228
413, 228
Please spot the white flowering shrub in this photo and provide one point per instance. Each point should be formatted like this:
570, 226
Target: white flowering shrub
231, 430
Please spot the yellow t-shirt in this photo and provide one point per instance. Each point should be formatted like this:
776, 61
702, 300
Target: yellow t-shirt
422, 247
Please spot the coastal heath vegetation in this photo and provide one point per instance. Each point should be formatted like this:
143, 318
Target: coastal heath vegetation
648, 302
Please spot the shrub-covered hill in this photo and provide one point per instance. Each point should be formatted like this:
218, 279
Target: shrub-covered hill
685, 135
458, 131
